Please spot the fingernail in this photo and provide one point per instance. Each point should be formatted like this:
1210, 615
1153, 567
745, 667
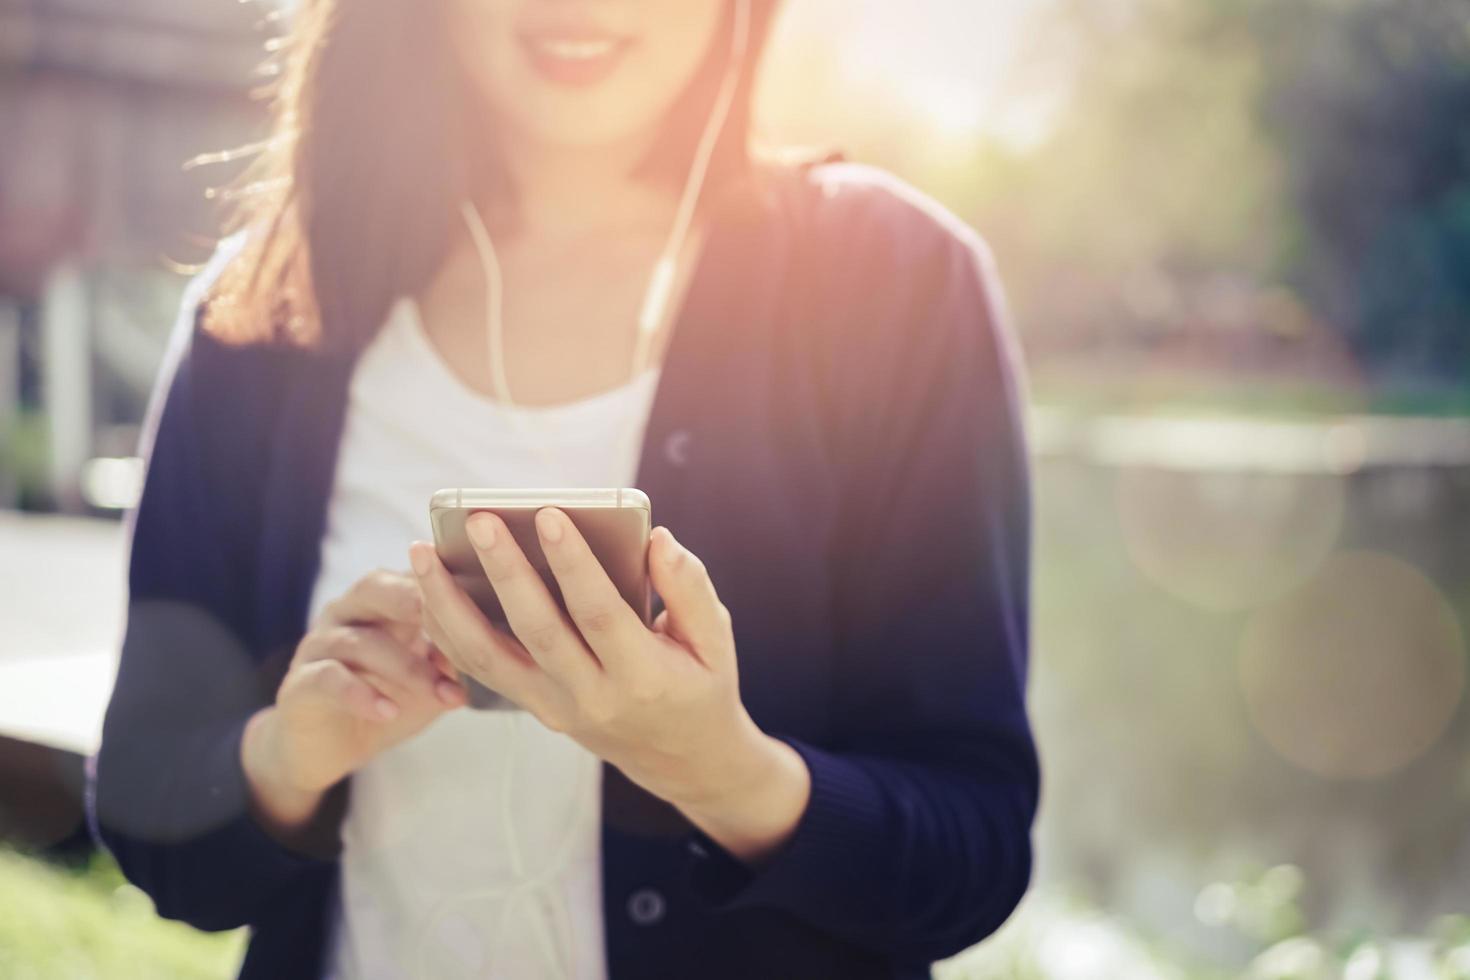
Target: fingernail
386, 709
449, 692
549, 521
482, 531
418, 556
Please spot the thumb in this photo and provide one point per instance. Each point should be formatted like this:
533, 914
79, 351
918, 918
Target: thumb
693, 613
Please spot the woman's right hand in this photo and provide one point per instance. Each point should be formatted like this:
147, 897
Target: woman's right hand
363, 679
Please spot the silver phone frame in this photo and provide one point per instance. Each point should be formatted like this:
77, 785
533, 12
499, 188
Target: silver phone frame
457, 498
452, 500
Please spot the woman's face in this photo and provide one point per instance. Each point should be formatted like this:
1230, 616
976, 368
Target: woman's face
582, 72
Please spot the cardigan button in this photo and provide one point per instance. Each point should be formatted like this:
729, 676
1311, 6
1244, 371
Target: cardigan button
676, 447
646, 906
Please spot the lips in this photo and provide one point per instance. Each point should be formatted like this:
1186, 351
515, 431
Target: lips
574, 57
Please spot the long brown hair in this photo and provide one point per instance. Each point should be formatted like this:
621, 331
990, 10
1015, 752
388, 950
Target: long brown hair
352, 198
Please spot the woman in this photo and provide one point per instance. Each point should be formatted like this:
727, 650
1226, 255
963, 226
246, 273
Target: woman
440, 273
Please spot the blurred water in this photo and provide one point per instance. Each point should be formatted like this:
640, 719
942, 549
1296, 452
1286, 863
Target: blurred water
1234, 670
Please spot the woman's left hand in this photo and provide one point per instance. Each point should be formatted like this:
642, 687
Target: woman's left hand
662, 703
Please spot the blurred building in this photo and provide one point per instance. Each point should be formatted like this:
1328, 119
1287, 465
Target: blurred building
101, 103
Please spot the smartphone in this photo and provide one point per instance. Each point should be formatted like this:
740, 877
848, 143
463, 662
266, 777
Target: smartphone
616, 523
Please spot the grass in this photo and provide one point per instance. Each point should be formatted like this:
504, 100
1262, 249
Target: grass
88, 922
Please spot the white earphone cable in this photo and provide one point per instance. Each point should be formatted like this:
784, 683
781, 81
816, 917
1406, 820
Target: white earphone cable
656, 300
661, 281
531, 887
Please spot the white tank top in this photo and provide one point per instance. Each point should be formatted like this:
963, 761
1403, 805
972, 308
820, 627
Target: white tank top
473, 849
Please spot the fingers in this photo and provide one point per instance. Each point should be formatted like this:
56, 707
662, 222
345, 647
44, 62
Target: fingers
693, 612
467, 639
607, 623
333, 683
535, 618
442, 663
381, 596
385, 663
450, 685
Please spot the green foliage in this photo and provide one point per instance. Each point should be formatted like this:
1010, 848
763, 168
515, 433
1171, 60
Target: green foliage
1156, 179
1159, 158
1367, 104
1290, 176
23, 454
1058, 936
59, 924
1414, 288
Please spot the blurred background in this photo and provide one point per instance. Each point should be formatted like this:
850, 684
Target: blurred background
1236, 237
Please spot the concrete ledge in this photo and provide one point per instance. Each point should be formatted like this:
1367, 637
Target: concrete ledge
1241, 444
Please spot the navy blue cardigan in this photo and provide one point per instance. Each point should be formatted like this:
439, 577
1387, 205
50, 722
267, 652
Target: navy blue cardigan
838, 433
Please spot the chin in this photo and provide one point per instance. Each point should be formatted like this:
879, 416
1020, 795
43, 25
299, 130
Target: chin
577, 130
586, 122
